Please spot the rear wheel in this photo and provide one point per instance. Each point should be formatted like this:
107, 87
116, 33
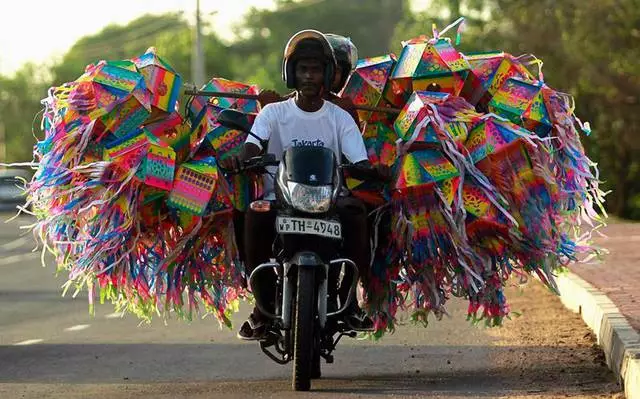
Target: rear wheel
303, 348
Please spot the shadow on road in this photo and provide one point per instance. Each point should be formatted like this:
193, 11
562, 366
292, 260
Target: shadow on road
538, 379
365, 370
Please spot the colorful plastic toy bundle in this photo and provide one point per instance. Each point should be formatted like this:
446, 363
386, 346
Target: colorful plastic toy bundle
128, 195
491, 181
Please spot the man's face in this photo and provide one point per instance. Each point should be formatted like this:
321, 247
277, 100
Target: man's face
309, 77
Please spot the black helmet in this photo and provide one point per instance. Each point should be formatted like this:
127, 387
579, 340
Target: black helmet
346, 54
308, 44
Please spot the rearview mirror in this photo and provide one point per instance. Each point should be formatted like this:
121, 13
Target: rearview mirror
234, 120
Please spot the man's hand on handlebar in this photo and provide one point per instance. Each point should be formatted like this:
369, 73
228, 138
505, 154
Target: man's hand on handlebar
364, 170
234, 163
268, 96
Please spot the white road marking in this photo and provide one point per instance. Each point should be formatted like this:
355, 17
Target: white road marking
14, 244
28, 342
18, 258
78, 327
115, 315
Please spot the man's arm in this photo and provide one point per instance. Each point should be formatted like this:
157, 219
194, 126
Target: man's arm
248, 151
266, 97
252, 147
354, 149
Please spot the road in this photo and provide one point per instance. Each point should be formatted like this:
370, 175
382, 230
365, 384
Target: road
50, 347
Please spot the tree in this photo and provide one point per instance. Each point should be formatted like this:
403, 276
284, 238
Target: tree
599, 67
19, 106
442, 14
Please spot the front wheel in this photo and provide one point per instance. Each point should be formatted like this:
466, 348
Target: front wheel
316, 367
303, 335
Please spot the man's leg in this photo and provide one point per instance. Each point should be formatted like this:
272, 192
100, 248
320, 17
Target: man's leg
259, 234
353, 216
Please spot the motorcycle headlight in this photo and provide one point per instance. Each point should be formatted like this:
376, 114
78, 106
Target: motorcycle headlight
312, 199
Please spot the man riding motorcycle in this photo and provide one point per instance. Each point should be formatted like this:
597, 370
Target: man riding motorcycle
306, 119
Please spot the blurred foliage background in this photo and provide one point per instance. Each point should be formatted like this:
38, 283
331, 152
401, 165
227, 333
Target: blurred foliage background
589, 48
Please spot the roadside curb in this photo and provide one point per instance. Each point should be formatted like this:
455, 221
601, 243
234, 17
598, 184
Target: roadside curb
620, 342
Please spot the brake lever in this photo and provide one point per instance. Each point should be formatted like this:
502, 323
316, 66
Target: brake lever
262, 161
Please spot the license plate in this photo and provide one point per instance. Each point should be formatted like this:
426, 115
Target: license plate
323, 228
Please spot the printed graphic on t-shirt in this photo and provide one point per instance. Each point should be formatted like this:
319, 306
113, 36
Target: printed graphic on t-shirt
307, 143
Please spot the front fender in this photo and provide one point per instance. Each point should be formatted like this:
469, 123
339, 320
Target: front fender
306, 258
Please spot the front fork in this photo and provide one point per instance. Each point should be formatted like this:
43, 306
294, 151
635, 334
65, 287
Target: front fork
282, 344
289, 290
284, 311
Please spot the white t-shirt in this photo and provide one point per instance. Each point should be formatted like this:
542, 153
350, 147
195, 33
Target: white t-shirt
285, 125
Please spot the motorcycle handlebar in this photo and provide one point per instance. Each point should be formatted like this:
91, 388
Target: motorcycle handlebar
253, 164
259, 163
361, 172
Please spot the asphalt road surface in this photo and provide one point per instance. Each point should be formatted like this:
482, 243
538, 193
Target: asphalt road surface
51, 347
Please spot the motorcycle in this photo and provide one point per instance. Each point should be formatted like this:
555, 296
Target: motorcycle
306, 323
